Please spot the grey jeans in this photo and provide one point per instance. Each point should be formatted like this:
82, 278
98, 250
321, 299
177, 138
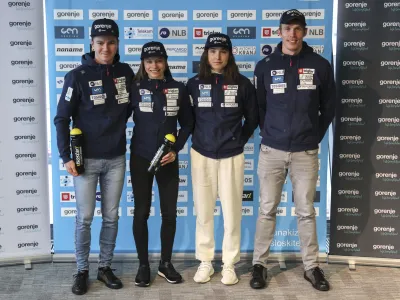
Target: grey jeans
273, 166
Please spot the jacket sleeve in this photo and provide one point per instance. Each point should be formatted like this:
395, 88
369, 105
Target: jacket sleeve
250, 113
186, 120
66, 108
260, 92
327, 102
130, 90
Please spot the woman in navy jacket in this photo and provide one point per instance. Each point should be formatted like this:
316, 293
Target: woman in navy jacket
158, 102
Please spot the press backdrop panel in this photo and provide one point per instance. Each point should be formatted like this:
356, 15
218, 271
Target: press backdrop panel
252, 27
366, 175
24, 212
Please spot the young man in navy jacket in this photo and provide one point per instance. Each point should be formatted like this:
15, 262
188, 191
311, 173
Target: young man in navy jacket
296, 96
95, 95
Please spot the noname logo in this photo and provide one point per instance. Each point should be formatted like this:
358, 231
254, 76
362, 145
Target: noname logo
386, 231
357, 26
356, 45
69, 49
389, 177
357, 6
385, 249
69, 32
239, 32
138, 15
348, 247
350, 194
349, 211
386, 213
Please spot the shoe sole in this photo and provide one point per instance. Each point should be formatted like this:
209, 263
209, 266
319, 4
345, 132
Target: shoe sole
170, 281
207, 280
314, 286
237, 280
110, 286
142, 284
79, 294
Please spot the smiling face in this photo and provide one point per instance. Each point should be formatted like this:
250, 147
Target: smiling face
292, 38
155, 67
105, 48
218, 59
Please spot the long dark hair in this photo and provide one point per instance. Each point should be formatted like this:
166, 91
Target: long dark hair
141, 73
231, 70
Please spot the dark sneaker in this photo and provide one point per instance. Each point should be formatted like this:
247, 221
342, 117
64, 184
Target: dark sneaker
107, 276
317, 278
258, 277
81, 282
143, 276
167, 270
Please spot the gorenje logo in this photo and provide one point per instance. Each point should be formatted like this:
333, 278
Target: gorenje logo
242, 15
391, 46
355, 64
172, 15
66, 66
25, 120
26, 156
390, 84
28, 175
28, 228
27, 210
353, 121
386, 213
95, 14
22, 44
356, 46
246, 66
133, 49
351, 176
391, 64
207, 15
26, 193
386, 231
354, 102
388, 177
388, 140
241, 32
24, 82
25, 25
389, 122
388, 158
316, 14
138, 15
69, 49
354, 83
247, 210
387, 195
350, 194
349, 211
394, 6
20, 5
348, 247
348, 229
351, 157
23, 63
393, 26
69, 32
357, 26
68, 14
385, 249
357, 6
28, 245
31, 138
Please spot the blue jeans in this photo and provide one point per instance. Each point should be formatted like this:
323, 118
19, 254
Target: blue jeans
111, 175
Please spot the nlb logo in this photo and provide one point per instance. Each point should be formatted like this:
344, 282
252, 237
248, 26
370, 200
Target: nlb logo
68, 14
386, 213
28, 245
95, 14
350, 194
357, 26
26, 193
356, 45
172, 32
348, 247
357, 6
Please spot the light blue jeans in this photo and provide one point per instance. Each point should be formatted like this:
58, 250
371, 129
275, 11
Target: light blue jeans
111, 175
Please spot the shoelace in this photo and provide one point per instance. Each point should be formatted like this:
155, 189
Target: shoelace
230, 269
319, 274
204, 267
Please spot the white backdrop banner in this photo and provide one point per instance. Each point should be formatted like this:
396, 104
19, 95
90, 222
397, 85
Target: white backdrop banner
24, 211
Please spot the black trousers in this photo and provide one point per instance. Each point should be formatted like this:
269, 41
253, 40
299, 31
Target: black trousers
168, 182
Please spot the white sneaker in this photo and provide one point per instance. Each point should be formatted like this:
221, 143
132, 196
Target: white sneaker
228, 275
204, 272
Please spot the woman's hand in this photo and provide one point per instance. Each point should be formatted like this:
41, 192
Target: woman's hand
168, 158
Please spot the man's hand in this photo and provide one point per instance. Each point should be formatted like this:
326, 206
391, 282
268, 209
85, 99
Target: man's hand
71, 168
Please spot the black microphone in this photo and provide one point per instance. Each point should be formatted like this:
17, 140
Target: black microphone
76, 149
169, 141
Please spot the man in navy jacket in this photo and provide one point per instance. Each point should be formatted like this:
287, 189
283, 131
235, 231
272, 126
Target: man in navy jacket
95, 95
296, 96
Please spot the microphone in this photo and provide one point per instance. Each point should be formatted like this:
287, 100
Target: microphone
76, 148
169, 141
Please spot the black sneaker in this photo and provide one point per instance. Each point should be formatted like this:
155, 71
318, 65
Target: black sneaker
317, 278
143, 276
81, 282
258, 277
167, 270
107, 276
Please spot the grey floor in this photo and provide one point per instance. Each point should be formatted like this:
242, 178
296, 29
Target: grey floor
53, 281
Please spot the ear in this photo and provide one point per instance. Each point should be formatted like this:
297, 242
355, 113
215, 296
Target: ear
305, 31
279, 31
